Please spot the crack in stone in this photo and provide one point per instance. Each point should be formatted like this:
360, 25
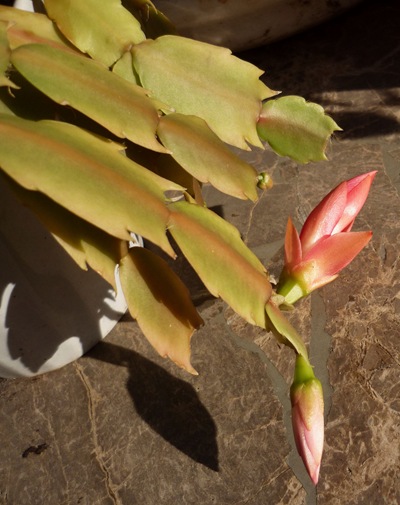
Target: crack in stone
281, 391
54, 444
97, 449
250, 220
389, 353
320, 345
265, 484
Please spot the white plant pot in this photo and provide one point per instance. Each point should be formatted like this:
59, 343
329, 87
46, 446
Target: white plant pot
240, 24
51, 311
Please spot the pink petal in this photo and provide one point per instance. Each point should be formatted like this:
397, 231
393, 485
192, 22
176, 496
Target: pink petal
301, 437
308, 426
292, 246
324, 217
355, 181
334, 253
357, 192
315, 455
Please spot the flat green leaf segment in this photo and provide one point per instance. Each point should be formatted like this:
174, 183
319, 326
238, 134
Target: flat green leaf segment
124, 68
67, 78
88, 176
181, 104
160, 302
103, 29
204, 80
221, 259
281, 325
296, 128
199, 151
4, 56
30, 25
85, 243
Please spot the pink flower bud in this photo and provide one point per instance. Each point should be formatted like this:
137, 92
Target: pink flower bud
325, 245
308, 416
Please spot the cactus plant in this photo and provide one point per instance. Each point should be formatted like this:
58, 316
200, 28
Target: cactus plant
110, 123
180, 101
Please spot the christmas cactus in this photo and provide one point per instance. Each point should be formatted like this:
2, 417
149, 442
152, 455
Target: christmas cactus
110, 123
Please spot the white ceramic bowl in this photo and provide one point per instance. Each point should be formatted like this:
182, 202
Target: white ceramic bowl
51, 311
240, 24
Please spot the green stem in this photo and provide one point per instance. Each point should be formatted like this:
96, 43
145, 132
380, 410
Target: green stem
303, 371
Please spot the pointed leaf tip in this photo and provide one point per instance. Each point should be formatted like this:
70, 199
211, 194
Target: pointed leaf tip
221, 259
201, 153
104, 32
296, 128
207, 81
75, 80
160, 302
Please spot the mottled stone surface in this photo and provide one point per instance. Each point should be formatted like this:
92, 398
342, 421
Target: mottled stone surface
123, 426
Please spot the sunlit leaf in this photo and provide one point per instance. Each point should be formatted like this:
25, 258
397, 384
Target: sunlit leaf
87, 175
296, 128
4, 56
124, 68
104, 30
221, 259
206, 81
279, 324
199, 151
19, 37
86, 85
30, 26
160, 302
85, 243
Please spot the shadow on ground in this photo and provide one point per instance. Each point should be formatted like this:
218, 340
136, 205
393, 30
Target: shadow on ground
170, 406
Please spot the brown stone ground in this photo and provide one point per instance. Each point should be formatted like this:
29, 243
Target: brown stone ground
123, 426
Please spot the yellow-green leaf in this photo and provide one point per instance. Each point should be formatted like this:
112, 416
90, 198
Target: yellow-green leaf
221, 259
206, 81
88, 176
160, 302
296, 128
104, 30
199, 151
4, 56
85, 243
19, 37
121, 106
278, 323
31, 26
124, 68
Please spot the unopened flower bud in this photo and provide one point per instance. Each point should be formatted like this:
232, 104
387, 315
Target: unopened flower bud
308, 416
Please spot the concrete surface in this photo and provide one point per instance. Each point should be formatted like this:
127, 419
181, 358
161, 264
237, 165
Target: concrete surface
123, 426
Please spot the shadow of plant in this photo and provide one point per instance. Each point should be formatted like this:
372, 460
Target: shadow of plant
170, 406
358, 50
